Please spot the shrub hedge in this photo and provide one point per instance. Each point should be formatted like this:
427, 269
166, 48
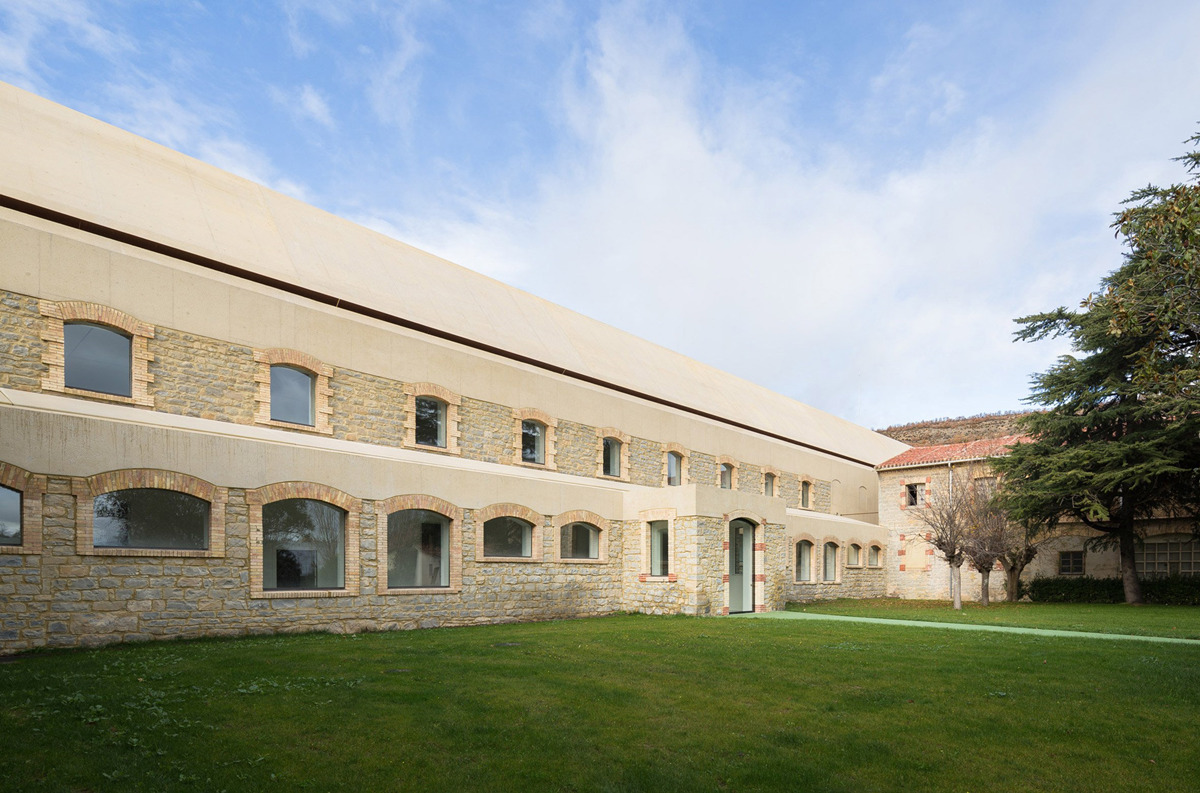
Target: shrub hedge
1176, 590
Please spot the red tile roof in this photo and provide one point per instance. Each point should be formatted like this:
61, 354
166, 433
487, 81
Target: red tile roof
971, 450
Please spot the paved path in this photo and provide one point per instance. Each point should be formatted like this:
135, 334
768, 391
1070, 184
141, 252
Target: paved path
962, 626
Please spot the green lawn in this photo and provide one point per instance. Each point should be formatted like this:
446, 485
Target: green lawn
622, 703
1181, 622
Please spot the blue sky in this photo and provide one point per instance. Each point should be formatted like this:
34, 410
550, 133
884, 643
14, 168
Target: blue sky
847, 202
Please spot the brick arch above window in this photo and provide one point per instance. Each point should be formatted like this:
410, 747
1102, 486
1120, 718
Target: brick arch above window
322, 392
626, 441
733, 470
426, 502
452, 401
682, 451
56, 315
778, 480
509, 510
32, 488
521, 415
581, 516
86, 490
278, 491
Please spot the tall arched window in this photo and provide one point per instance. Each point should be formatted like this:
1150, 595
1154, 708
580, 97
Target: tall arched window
293, 395
769, 484
804, 554
304, 545
533, 442
829, 568
97, 358
805, 494
726, 476
674, 469
418, 549
612, 457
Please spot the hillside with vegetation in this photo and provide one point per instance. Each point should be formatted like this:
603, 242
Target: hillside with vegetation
958, 430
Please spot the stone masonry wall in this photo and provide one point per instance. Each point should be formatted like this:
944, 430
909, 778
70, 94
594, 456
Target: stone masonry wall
646, 462
749, 479
576, 450
487, 431
702, 469
366, 408
205, 378
21, 344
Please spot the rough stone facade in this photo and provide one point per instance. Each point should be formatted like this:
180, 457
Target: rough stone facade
366, 408
21, 344
200, 377
486, 431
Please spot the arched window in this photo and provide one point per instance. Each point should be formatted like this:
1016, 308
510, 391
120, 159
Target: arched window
533, 442
304, 545
293, 395
10, 516
726, 476
769, 484
829, 568
854, 555
612, 457
507, 536
580, 541
418, 549
804, 550
97, 358
805, 494
430, 422
674, 469
150, 518
873, 556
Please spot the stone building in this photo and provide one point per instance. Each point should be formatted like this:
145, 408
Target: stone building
223, 411
909, 481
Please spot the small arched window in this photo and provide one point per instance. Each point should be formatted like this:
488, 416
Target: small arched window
304, 545
533, 442
873, 556
726, 476
430, 422
829, 568
854, 555
150, 518
580, 541
674, 469
10, 516
97, 358
769, 485
418, 549
507, 537
612, 457
804, 550
805, 496
293, 395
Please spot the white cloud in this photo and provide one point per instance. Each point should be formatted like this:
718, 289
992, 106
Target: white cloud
305, 104
28, 28
703, 225
395, 77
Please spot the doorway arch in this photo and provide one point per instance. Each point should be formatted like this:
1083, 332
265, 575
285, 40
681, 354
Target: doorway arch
742, 565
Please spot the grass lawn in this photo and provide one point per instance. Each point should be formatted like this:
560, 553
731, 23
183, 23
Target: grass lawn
621, 703
1181, 622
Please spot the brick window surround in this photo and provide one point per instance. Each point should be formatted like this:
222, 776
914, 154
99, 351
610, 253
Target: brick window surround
276, 356
925, 495
452, 401
526, 514
32, 487
775, 472
733, 472
839, 556
87, 489
812, 492
581, 516
625, 439
680, 450
268, 494
758, 525
879, 554
646, 517
862, 552
54, 357
432, 504
814, 559
550, 446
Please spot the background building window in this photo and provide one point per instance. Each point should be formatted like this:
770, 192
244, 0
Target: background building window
804, 550
304, 545
829, 569
533, 442
97, 358
873, 556
726, 476
507, 536
430, 422
580, 541
418, 549
913, 494
804, 494
612, 457
854, 555
674, 469
10, 516
293, 395
150, 518
1170, 557
769, 485
1070, 563
660, 548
